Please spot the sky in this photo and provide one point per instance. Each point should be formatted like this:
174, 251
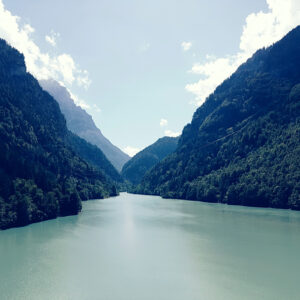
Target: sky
141, 68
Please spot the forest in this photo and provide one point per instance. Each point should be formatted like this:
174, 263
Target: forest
243, 144
45, 171
136, 168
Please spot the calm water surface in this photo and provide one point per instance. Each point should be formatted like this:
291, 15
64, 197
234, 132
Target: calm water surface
136, 247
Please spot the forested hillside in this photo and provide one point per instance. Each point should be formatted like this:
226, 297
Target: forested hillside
41, 174
243, 144
135, 169
94, 156
82, 124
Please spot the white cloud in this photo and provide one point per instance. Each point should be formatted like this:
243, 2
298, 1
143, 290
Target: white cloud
172, 133
51, 39
131, 151
83, 80
163, 122
214, 72
96, 108
76, 99
186, 46
144, 47
261, 29
41, 64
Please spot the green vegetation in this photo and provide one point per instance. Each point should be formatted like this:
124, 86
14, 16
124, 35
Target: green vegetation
243, 145
94, 156
43, 173
135, 169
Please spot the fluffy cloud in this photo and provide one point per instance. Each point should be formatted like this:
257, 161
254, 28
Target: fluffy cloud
172, 133
186, 46
163, 122
261, 29
51, 39
75, 98
131, 151
213, 71
42, 65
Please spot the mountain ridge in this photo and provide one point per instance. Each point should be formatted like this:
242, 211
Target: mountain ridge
143, 161
41, 174
226, 154
82, 124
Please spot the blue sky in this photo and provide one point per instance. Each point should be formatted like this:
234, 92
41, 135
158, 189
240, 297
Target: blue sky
142, 67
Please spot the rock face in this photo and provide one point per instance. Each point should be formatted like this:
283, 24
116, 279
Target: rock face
82, 124
136, 168
243, 144
45, 170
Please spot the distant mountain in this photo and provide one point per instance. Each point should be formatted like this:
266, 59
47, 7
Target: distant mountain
135, 169
45, 170
243, 145
82, 124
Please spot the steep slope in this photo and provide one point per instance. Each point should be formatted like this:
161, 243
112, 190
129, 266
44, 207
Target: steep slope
135, 169
82, 124
94, 156
243, 145
41, 176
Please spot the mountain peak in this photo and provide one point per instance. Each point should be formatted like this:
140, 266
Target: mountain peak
82, 123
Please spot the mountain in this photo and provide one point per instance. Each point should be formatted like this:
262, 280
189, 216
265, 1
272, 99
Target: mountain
135, 169
44, 168
82, 124
243, 144
94, 156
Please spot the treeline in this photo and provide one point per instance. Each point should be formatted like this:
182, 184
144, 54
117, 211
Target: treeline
26, 202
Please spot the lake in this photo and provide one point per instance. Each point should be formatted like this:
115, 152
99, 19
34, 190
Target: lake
135, 247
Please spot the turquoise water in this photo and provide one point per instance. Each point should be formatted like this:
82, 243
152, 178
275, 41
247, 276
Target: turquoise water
142, 247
